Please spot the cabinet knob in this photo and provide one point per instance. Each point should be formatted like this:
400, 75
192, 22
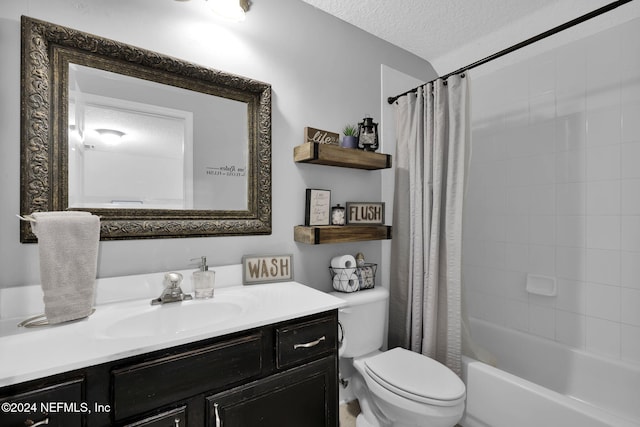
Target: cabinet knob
31, 423
177, 421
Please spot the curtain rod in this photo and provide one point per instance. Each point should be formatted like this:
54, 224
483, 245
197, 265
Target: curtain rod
522, 44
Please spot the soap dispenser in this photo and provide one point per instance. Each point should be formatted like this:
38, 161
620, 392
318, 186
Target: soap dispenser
203, 280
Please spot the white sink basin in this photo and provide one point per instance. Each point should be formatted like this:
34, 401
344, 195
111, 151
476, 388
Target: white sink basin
176, 318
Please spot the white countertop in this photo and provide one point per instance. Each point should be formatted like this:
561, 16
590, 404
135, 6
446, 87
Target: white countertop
30, 353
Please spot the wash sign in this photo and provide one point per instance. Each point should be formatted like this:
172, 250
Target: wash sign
266, 269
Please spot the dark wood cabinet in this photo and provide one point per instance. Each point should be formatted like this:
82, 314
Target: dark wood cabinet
302, 396
284, 374
140, 387
52, 403
174, 418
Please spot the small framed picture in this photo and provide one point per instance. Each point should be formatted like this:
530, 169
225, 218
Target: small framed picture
365, 213
317, 209
266, 269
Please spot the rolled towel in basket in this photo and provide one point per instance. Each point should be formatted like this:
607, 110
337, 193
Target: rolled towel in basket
68, 250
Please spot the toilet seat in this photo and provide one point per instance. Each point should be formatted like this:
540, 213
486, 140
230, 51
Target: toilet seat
415, 377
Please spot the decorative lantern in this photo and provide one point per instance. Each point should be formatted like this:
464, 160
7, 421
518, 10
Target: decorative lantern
368, 135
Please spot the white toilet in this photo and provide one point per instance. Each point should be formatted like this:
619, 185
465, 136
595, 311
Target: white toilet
397, 387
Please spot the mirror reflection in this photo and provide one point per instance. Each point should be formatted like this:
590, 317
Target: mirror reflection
131, 144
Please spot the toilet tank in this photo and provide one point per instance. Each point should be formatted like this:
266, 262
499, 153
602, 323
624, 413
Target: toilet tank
363, 320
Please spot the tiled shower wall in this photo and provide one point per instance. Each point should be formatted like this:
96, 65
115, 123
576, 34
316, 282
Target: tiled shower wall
554, 190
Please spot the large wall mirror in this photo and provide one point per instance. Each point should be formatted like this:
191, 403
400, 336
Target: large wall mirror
156, 146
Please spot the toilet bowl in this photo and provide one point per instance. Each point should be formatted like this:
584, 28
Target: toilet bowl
410, 389
397, 387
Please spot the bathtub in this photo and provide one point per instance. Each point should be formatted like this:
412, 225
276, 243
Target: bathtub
538, 382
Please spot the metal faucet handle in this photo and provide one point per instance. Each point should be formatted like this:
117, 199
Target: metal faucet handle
173, 279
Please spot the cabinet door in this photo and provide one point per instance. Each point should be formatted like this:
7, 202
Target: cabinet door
304, 396
57, 405
174, 418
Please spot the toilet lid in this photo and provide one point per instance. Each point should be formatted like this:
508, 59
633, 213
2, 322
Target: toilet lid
415, 376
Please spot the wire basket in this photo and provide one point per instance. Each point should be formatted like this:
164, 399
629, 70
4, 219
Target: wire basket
353, 279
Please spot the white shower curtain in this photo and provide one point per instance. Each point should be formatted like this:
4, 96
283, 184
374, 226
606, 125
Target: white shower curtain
431, 158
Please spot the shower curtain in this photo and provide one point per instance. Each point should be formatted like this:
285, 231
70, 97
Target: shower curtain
431, 159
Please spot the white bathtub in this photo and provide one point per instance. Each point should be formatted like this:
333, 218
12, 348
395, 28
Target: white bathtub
539, 382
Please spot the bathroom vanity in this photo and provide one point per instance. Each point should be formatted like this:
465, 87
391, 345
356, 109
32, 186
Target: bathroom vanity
270, 360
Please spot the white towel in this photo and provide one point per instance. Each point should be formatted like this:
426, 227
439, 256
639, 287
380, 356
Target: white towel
68, 248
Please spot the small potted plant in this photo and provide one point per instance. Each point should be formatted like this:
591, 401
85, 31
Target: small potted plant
350, 139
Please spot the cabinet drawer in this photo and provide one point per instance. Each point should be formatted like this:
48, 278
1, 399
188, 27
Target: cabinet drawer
60, 404
173, 418
303, 341
142, 387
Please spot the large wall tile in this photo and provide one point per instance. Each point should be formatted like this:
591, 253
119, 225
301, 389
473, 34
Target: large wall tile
566, 199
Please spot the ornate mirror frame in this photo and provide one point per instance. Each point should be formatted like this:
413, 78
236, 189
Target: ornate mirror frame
46, 49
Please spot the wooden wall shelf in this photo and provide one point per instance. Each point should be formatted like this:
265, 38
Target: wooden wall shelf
340, 233
332, 155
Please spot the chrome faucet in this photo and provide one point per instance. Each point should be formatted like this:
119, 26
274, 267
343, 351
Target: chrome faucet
172, 290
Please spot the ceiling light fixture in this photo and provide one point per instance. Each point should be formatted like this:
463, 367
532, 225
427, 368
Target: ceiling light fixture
232, 10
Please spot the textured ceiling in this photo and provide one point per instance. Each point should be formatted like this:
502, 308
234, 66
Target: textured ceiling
453, 33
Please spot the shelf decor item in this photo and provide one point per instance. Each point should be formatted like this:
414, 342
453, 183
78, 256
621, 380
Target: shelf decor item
365, 213
352, 280
338, 215
368, 135
321, 136
266, 268
317, 209
350, 139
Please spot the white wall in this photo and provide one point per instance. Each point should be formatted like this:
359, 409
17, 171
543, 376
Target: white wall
555, 190
324, 73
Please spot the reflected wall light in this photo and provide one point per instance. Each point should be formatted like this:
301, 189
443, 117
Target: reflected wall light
110, 136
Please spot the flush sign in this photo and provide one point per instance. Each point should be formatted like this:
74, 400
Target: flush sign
365, 213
